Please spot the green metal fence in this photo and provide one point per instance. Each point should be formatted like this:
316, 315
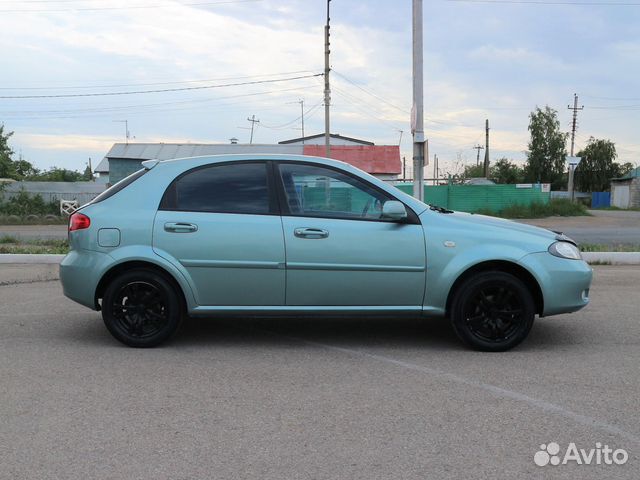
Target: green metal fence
471, 198
465, 198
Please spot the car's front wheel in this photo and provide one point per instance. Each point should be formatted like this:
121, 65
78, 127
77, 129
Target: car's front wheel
492, 311
141, 308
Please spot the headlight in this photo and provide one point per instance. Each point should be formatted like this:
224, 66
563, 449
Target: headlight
565, 250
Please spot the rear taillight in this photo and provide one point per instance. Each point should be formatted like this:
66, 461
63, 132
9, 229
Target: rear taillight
79, 221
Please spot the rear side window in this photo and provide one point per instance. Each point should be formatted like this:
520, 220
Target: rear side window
227, 188
122, 184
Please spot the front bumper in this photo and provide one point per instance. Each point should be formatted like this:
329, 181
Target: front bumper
80, 272
564, 283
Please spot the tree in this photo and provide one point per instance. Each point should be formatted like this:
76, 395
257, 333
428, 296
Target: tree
473, 171
87, 175
505, 171
596, 169
7, 168
56, 174
621, 169
546, 156
24, 168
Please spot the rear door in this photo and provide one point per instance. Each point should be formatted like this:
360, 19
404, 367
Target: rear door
221, 223
339, 250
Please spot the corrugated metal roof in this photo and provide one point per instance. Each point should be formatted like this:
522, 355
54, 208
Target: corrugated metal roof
370, 158
168, 151
312, 138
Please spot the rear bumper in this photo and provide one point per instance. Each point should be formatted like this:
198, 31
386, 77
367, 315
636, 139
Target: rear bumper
80, 272
564, 283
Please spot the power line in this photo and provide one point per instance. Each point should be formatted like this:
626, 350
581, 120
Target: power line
543, 2
284, 125
130, 7
163, 90
176, 82
150, 105
403, 110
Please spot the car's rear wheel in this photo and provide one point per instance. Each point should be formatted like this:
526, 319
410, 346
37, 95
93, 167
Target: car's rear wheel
492, 311
141, 308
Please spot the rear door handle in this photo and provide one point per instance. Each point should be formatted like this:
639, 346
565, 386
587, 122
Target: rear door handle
310, 233
179, 227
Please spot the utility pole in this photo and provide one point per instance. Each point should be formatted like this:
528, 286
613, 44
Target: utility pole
253, 122
435, 169
486, 149
327, 89
417, 119
478, 148
126, 130
302, 118
572, 169
575, 109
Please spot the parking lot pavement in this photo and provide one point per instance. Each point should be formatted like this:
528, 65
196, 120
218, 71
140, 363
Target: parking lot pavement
339, 399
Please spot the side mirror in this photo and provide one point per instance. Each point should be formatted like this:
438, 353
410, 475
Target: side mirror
393, 210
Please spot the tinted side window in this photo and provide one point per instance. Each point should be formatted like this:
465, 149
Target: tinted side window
312, 190
229, 188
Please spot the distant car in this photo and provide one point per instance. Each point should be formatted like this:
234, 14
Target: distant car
242, 235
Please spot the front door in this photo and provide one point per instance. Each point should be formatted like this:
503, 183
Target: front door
222, 225
339, 250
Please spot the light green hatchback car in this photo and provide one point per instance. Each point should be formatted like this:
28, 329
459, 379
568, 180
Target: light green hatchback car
266, 235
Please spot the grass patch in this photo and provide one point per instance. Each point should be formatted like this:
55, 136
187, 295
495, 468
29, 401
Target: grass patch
600, 247
10, 244
557, 207
599, 262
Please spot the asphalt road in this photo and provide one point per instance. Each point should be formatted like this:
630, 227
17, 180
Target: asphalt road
341, 399
609, 227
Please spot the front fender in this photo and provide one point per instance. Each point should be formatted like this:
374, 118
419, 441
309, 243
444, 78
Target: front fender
446, 264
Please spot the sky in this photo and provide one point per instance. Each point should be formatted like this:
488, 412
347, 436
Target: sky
226, 61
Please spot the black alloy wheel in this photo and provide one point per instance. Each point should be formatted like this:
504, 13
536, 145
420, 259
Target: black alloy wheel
492, 311
141, 308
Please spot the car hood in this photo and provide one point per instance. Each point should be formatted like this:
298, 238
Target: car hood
484, 227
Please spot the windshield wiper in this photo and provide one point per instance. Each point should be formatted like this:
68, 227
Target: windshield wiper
438, 208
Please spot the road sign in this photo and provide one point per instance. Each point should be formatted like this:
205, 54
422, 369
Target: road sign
574, 161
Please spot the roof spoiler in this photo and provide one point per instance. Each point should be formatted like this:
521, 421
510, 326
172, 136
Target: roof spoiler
149, 164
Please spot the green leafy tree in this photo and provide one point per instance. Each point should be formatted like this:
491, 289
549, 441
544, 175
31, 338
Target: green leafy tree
56, 174
547, 154
7, 167
506, 171
622, 169
473, 171
24, 168
87, 175
597, 167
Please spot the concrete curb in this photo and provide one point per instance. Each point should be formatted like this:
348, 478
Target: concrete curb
612, 258
30, 258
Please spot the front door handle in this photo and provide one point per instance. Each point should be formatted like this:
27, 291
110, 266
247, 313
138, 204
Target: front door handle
179, 227
310, 233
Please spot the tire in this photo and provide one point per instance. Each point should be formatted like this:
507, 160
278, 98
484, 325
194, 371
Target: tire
492, 311
141, 308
